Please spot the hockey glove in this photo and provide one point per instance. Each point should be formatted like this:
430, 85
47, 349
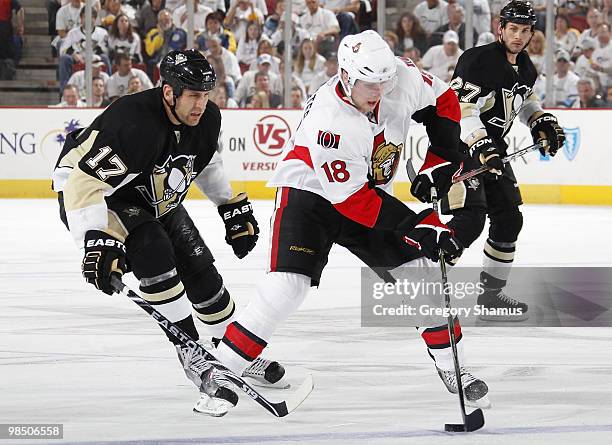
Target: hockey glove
546, 128
428, 234
241, 229
437, 172
104, 256
487, 153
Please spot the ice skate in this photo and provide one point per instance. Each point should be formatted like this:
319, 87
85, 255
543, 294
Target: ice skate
497, 306
475, 391
216, 395
266, 373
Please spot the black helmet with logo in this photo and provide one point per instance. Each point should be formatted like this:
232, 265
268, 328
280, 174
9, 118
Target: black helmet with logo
518, 11
187, 69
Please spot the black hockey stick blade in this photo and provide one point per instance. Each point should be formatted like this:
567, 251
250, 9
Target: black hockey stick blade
278, 409
473, 421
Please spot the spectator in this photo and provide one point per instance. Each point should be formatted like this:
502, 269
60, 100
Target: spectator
67, 17
440, 60
345, 11
485, 38
298, 34
583, 64
482, 16
297, 99
322, 27
455, 14
393, 41
415, 55
259, 100
431, 14
298, 7
262, 85
222, 78
220, 98
308, 62
607, 11
246, 87
230, 62
214, 28
134, 85
575, 11
162, 39
70, 97
108, 13
200, 12
146, 17
10, 40
122, 39
98, 70
411, 34
73, 47
247, 47
331, 69
99, 93
265, 47
240, 14
587, 95
117, 85
279, 84
52, 7
565, 37
602, 56
536, 49
271, 24
564, 81
609, 96
215, 5
593, 18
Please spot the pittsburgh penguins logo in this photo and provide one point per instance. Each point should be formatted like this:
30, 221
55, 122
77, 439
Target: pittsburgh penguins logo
356, 47
169, 183
385, 158
513, 100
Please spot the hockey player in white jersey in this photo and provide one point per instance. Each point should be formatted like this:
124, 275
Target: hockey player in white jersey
333, 187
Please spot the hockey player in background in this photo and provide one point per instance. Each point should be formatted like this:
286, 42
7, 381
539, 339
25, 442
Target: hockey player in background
121, 184
334, 188
494, 84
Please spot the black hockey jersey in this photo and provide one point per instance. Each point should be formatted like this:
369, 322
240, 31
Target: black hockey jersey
134, 154
492, 91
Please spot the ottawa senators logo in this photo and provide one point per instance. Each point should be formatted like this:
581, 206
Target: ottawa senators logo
385, 158
169, 183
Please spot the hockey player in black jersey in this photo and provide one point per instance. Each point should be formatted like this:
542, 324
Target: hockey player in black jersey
494, 84
121, 183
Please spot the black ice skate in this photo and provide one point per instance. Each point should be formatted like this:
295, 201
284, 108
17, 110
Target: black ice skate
475, 390
497, 306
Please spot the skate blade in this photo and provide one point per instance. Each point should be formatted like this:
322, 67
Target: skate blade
212, 406
482, 403
281, 384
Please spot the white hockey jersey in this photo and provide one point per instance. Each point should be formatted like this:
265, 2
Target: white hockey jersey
341, 154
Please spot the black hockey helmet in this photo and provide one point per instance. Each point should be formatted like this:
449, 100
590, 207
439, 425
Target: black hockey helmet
518, 11
187, 69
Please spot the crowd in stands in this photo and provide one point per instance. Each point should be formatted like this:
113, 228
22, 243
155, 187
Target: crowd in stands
243, 40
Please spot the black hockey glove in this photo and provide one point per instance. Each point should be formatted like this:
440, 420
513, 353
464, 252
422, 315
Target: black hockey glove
104, 256
241, 229
428, 234
436, 171
545, 127
488, 154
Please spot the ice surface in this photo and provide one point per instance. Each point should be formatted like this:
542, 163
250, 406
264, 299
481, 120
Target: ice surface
100, 366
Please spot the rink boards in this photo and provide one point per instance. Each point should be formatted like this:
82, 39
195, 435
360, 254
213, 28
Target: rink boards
252, 144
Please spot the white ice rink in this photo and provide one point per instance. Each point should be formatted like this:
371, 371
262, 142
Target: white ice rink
99, 365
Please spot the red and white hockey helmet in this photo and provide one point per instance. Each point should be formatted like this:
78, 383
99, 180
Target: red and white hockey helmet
366, 56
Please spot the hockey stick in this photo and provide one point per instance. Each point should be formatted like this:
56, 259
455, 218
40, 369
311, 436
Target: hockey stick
483, 168
278, 409
475, 420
